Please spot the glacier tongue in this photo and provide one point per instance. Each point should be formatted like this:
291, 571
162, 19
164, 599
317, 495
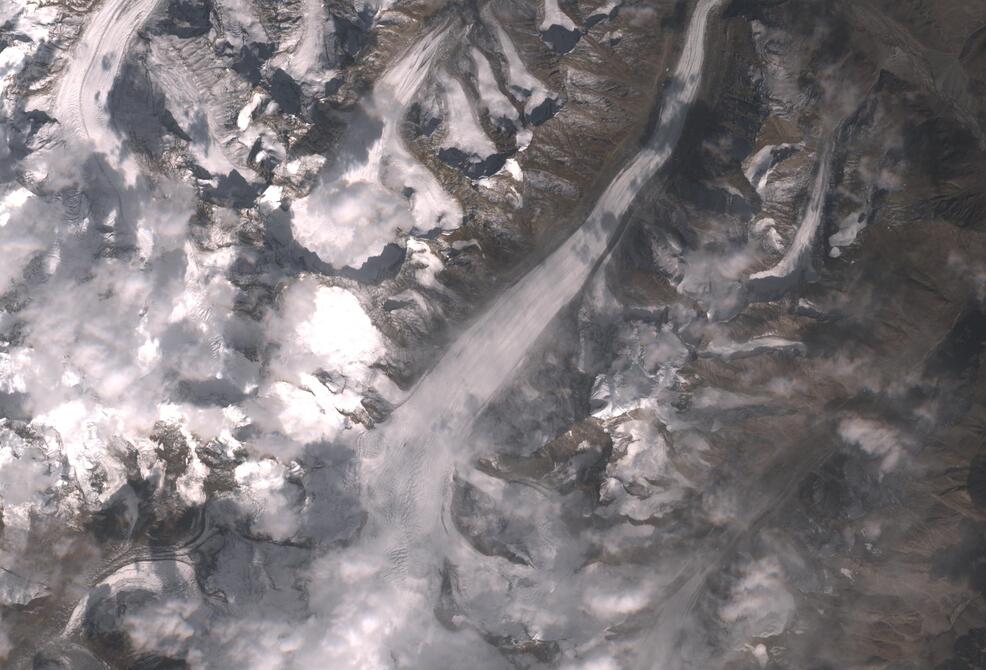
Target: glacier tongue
408, 466
332, 334
81, 99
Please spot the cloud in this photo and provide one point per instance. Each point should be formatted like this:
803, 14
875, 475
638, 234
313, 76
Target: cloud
321, 366
268, 498
25, 232
875, 439
345, 224
760, 604
323, 327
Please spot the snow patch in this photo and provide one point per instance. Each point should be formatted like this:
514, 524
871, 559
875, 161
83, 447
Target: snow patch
554, 16
425, 262
799, 252
514, 170
641, 483
758, 168
245, 115
464, 130
493, 100
849, 228
729, 350
523, 85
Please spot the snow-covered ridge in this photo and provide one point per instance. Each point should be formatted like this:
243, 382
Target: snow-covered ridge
734, 350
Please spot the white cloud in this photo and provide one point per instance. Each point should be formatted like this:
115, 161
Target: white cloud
25, 230
875, 439
319, 327
760, 604
345, 224
267, 496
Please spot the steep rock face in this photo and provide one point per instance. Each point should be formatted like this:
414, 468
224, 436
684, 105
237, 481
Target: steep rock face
753, 440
